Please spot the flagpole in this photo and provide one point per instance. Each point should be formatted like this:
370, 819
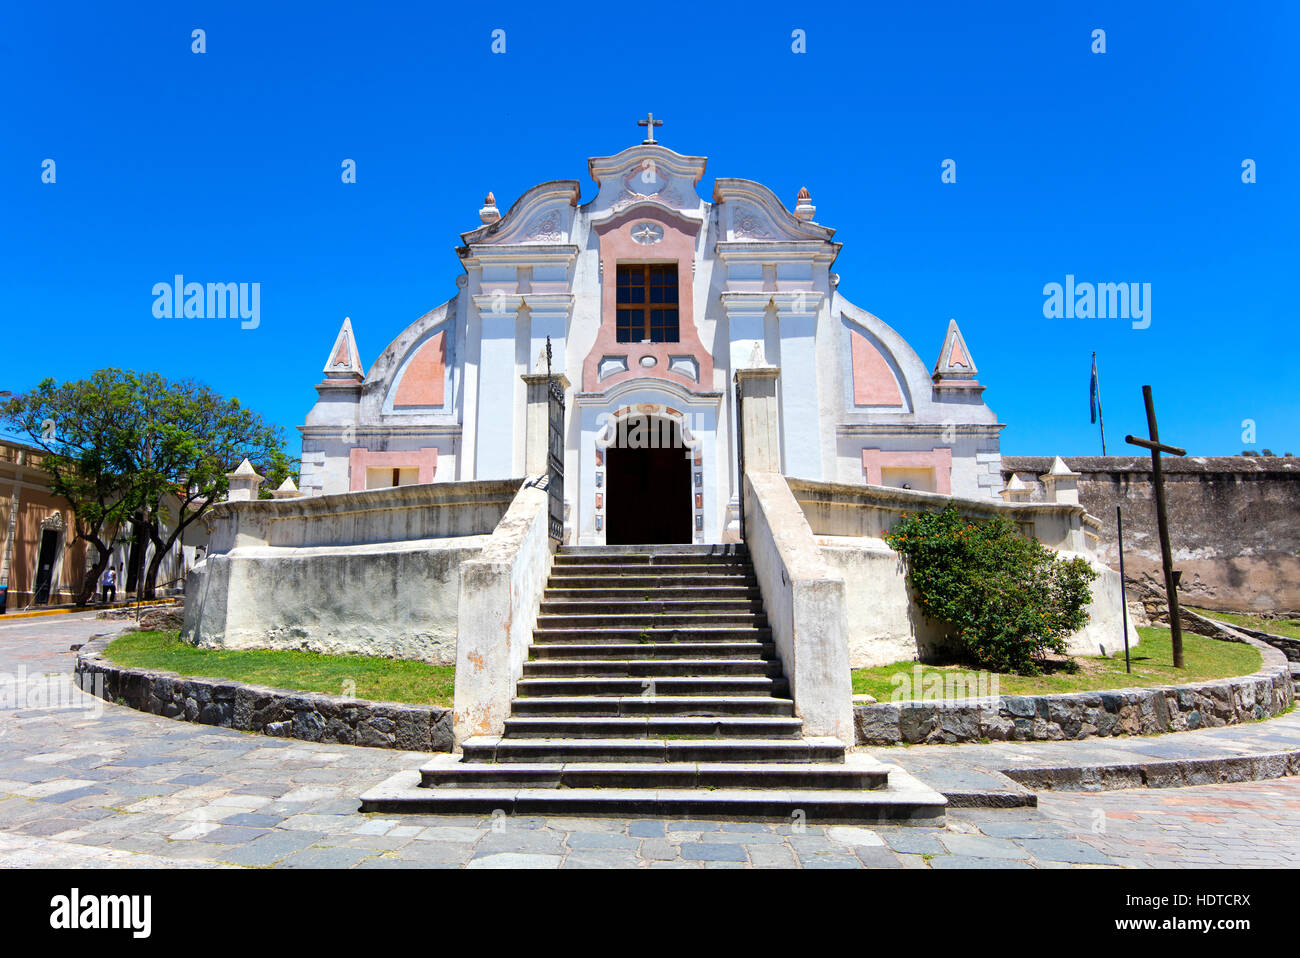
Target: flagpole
1101, 421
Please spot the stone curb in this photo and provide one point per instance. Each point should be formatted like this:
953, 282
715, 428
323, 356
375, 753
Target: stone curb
284, 713
1079, 715
1178, 773
1287, 646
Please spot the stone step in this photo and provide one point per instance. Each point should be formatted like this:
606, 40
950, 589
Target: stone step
662, 686
649, 581
652, 650
653, 552
902, 801
857, 772
650, 668
643, 605
827, 806
653, 705
683, 634
614, 569
656, 620
496, 749
691, 637
653, 726
598, 593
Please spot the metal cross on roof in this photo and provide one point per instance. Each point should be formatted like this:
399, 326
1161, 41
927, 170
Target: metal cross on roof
650, 123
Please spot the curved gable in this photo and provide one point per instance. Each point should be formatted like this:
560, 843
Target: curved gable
544, 214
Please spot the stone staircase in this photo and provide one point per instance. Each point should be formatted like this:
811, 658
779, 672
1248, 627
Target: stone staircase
653, 688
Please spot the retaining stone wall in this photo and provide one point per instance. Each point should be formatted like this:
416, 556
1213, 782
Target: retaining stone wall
285, 713
1076, 715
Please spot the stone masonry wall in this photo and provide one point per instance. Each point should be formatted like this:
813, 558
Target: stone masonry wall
285, 713
1234, 523
1076, 715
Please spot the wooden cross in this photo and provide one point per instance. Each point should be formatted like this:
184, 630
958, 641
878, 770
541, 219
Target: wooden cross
650, 123
1162, 520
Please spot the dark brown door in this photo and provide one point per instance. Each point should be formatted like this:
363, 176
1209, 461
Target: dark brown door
45, 566
648, 490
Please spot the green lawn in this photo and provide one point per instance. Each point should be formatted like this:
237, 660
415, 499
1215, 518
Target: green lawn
1290, 628
377, 679
1152, 665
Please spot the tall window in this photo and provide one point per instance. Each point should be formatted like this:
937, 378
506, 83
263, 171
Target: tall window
647, 303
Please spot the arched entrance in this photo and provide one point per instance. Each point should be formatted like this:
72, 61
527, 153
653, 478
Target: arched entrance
648, 484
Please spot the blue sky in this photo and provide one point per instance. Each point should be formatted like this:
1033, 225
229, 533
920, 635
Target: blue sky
1115, 167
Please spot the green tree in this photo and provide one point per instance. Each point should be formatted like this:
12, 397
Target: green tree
81, 427
1008, 600
186, 438
138, 447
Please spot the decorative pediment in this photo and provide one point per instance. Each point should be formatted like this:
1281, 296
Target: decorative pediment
645, 174
543, 215
753, 213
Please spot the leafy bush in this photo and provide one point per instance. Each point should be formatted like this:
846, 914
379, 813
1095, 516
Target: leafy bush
1008, 599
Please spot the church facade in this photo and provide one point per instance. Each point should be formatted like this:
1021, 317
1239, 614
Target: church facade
652, 297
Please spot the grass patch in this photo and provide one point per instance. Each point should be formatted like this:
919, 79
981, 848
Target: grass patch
1206, 658
1288, 628
377, 679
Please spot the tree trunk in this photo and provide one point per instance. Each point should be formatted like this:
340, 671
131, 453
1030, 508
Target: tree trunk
160, 550
91, 580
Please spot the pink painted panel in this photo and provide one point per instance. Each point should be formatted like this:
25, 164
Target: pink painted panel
359, 460
677, 246
422, 383
875, 461
873, 380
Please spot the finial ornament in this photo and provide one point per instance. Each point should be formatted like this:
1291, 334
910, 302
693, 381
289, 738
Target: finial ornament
649, 123
803, 206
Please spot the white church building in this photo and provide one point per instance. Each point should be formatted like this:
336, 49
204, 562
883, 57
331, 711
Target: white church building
652, 297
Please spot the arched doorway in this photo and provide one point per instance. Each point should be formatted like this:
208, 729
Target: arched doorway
648, 483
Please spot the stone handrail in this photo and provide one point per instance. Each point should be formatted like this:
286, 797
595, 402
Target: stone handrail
805, 605
500, 594
841, 509
402, 513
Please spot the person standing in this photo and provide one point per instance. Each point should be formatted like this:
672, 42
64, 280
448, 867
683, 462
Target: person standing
110, 586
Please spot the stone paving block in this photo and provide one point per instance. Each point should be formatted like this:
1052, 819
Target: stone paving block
515, 860
913, 841
600, 840
850, 835
771, 856
450, 834
654, 849
1023, 830
601, 858
713, 851
252, 820
530, 841
980, 846
815, 860
326, 858
233, 835
877, 856
969, 861
433, 853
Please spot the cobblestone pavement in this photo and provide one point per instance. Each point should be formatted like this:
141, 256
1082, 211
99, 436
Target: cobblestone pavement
91, 784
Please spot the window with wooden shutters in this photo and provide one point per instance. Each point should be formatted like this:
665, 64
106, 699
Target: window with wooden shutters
647, 303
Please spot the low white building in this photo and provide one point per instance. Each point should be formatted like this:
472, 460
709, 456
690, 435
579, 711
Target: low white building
652, 296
